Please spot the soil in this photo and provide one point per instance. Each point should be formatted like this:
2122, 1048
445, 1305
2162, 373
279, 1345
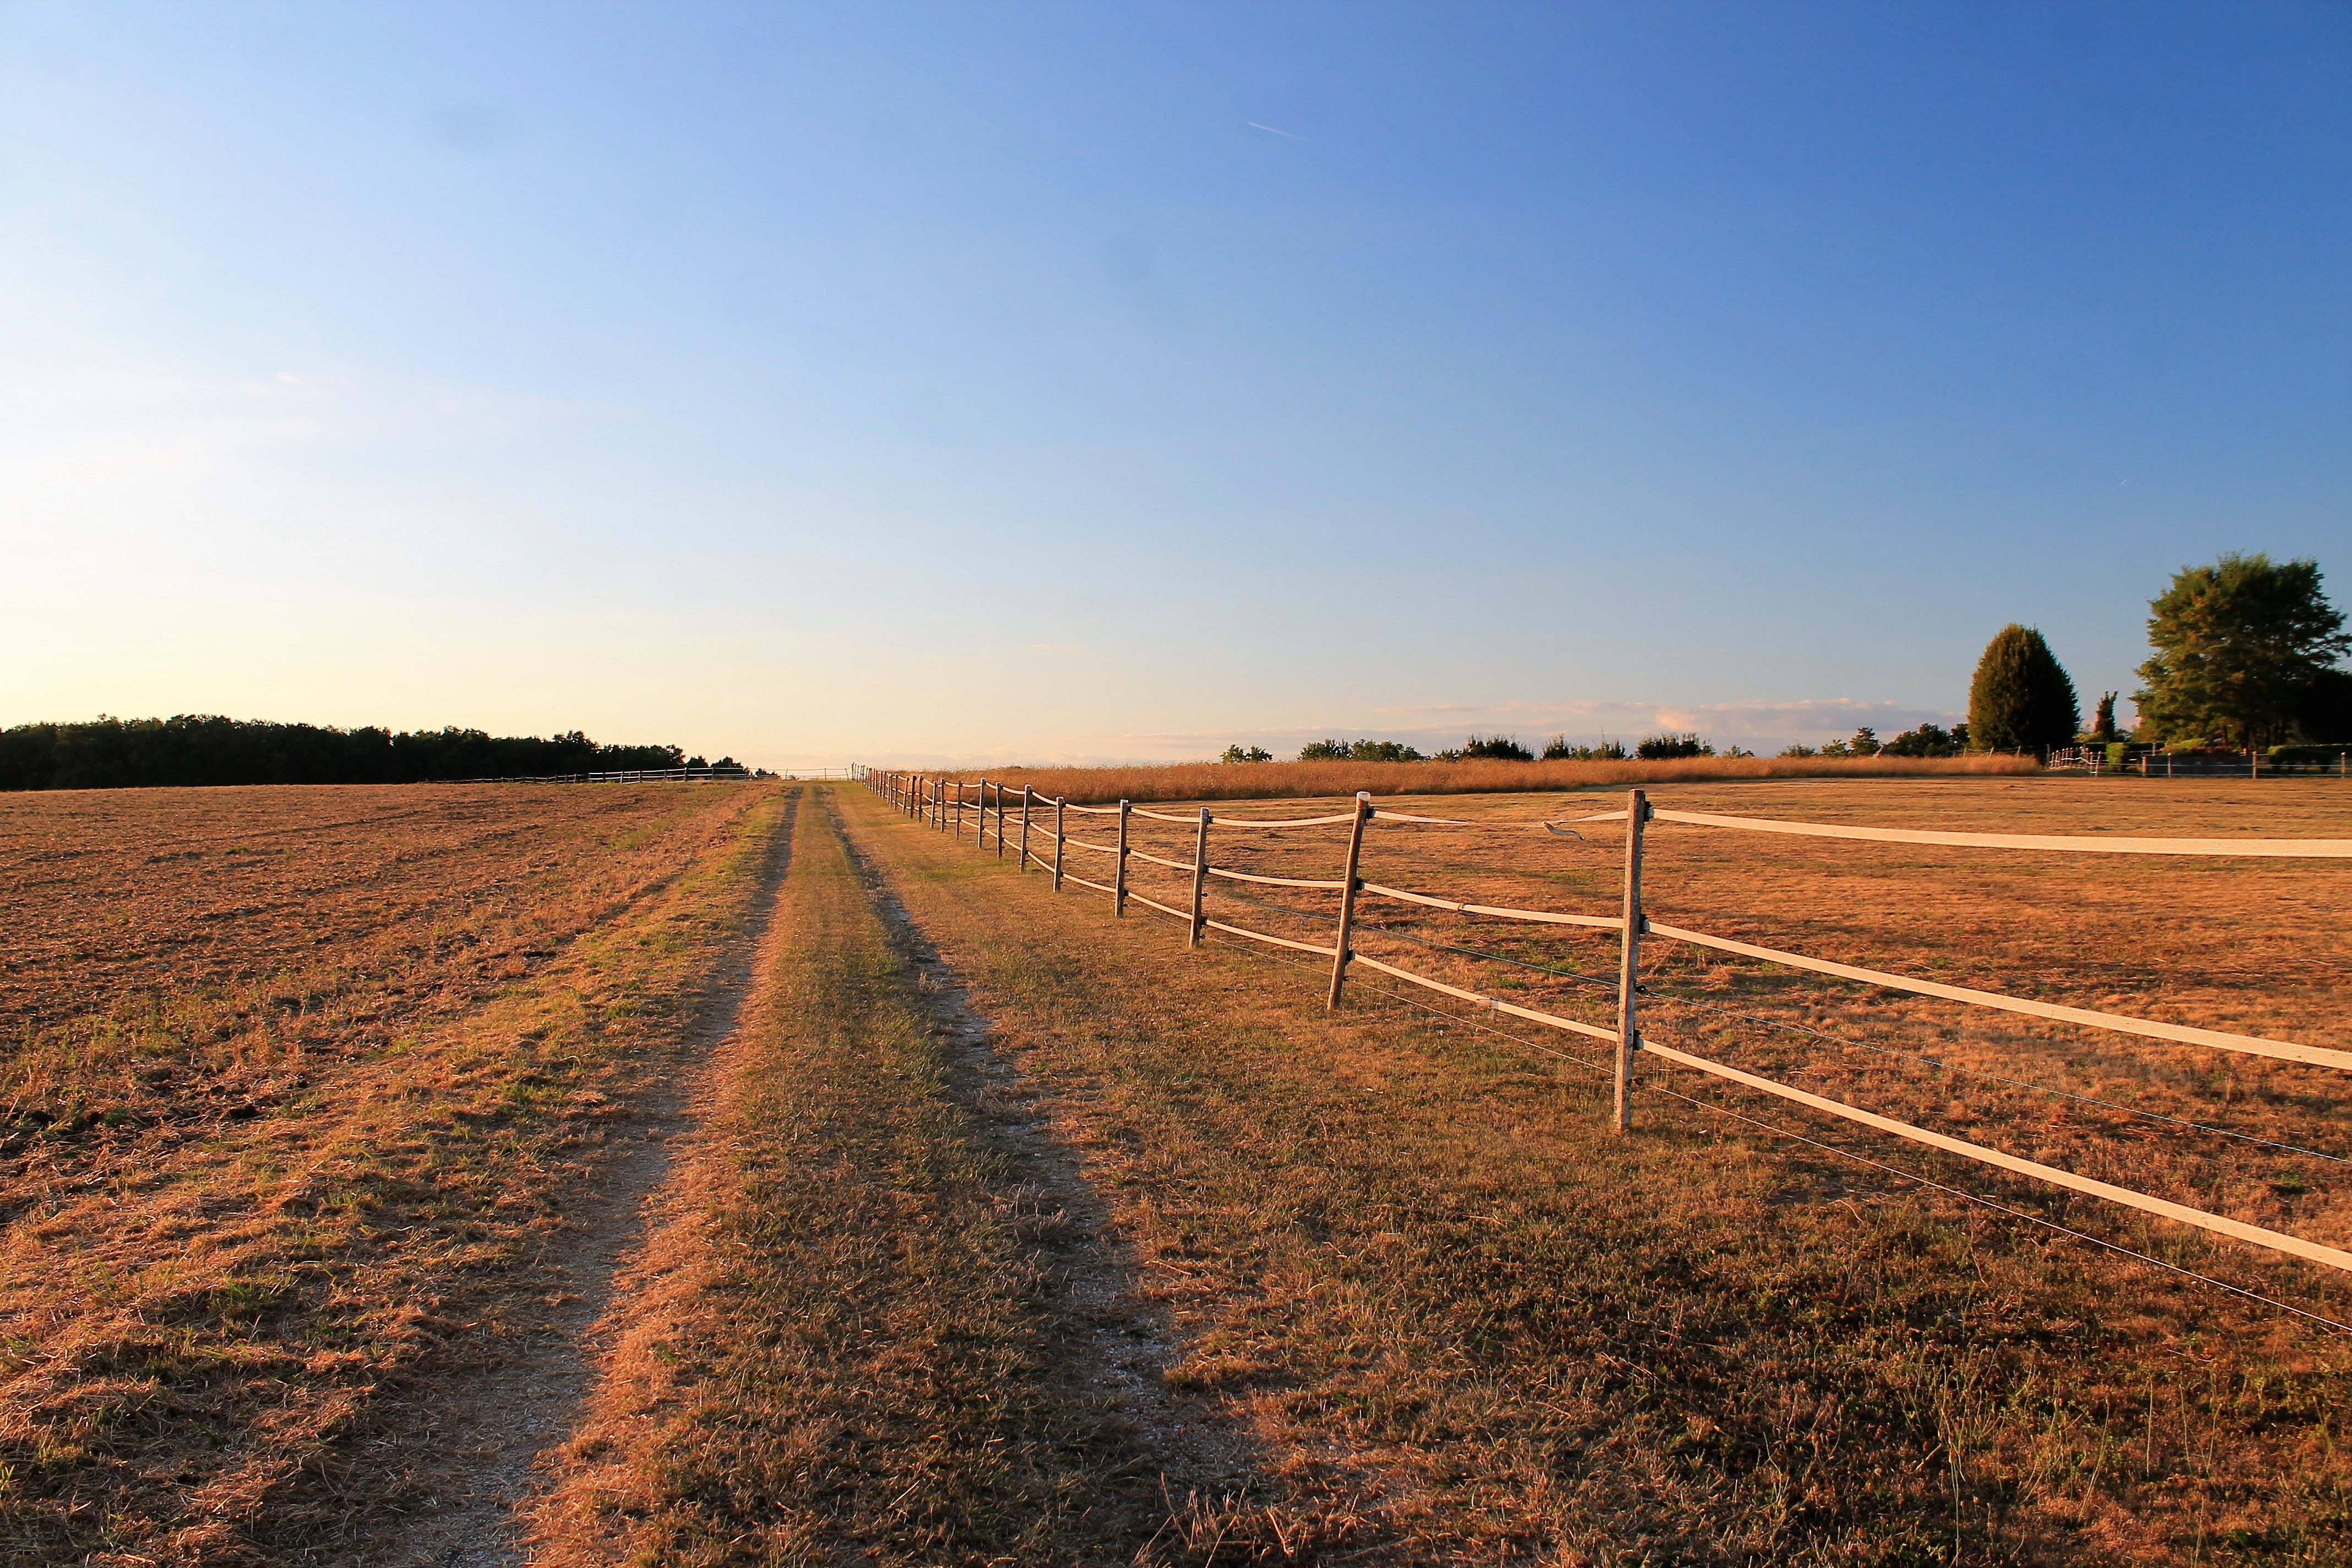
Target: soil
483, 1452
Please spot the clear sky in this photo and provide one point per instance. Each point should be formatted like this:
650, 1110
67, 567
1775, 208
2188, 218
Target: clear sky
956, 381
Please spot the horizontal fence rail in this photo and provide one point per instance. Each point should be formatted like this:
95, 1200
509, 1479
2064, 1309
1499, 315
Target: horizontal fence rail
932, 799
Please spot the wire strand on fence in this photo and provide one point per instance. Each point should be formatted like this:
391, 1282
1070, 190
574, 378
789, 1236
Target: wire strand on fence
1681, 1000
2053, 1175
2026, 1215
1492, 1004
1135, 854
2237, 1230
1274, 881
1400, 999
2296, 849
1540, 917
2182, 1034
1135, 898
1275, 940
1403, 935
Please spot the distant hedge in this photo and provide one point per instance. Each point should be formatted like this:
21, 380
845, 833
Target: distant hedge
206, 749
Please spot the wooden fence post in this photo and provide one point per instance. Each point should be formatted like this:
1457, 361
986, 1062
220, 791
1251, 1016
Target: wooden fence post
1200, 879
1024, 829
959, 811
981, 837
1348, 895
1059, 802
1118, 882
1000, 819
1628, 967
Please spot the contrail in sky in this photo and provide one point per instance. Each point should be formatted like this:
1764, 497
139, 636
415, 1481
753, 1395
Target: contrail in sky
1277, 129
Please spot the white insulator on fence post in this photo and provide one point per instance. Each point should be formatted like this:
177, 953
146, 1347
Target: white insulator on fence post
1628, 967
1118, 882
1059, 802
1025, 828
1200, 879
1348, 895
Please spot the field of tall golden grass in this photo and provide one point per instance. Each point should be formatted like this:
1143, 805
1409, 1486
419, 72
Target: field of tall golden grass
1482, 776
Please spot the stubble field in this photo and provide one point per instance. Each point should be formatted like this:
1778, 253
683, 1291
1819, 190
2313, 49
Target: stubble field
996, 1229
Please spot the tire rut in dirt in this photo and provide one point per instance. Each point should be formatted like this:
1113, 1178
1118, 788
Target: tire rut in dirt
1114, 1344
477, 1437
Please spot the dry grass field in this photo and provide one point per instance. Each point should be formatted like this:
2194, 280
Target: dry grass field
299, 1093
998, 1230
1482, 776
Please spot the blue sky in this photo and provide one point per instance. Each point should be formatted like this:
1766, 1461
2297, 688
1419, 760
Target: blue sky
962, 382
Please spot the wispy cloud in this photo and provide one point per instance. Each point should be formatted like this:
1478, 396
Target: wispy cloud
1274, 130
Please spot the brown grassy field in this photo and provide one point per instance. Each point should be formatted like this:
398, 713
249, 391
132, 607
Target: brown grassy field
1007, 1231
299, 1087
1292, 781
1448, 1318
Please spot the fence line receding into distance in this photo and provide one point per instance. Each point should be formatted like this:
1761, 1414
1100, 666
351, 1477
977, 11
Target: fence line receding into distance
942, 803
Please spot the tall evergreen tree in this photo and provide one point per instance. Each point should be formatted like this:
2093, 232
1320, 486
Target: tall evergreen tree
2103, 724
2021, 697
2239, 647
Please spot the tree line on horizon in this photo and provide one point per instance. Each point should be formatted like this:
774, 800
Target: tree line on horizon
2245, 653
193, 749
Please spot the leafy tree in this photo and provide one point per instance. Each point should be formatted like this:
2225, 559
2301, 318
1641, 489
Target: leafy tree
1663, 748
2240, 645
1557, 750
2021, 697
1364, 751
1240, 753
1927, 740
2103, 728
1501, 748
208, 749
2325, 714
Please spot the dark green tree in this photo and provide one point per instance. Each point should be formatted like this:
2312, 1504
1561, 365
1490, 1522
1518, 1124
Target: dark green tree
2020, 697
2103, 728
2240, 645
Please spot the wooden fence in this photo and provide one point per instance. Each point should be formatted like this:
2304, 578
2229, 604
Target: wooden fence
1030, 824
2160, 763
